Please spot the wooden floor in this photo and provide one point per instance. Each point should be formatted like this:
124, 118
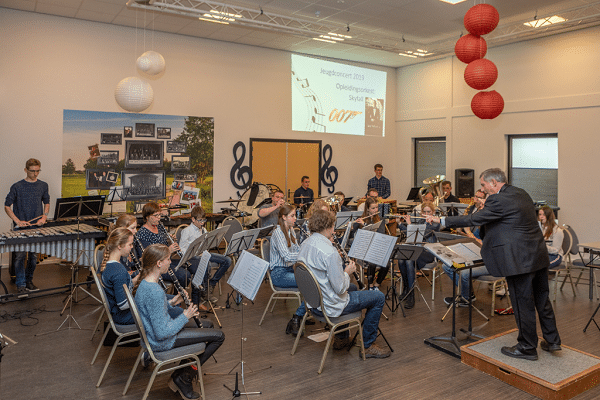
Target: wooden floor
57, 365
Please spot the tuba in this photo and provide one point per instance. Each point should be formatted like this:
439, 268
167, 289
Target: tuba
434, 185
334, 202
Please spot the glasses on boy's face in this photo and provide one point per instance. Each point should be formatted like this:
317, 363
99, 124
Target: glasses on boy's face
201, 221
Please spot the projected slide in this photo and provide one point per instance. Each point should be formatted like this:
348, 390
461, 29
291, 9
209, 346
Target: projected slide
337, 98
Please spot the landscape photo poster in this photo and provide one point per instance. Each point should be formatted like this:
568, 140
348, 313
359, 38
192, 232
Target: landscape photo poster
135, 146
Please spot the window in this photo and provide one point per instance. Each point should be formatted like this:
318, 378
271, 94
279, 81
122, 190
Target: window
430, 158
533, 166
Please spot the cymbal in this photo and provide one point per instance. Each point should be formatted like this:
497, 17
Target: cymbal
303, 197
230, 200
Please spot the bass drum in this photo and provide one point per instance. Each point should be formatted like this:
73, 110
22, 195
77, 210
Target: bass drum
251, 198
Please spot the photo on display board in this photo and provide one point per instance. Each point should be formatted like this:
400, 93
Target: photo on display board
144, 130
163, 133
185, 177
177, 185
111, 138
127, 131
189, 195
97, 179
143, 185
180, 163
112, 177
143, 153
108, 158
176, 147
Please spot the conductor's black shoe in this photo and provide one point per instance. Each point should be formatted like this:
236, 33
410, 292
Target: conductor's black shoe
514, 352
549, 347
31, 287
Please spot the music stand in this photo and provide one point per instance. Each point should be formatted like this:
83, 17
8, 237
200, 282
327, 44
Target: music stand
415, 233
453, 208
405, 252
115, 193
246, 278
346, 217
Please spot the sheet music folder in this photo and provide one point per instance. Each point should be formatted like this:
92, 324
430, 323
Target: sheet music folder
248, 274
459, 253
242, 241
372, 247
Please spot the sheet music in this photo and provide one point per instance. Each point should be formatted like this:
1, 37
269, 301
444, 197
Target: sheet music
346, 217
242, 240
468, 251
360, 245
446, 255
248, 274
201, 271
372, 247
415, 232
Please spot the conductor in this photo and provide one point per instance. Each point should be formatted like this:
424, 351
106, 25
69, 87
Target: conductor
513, 247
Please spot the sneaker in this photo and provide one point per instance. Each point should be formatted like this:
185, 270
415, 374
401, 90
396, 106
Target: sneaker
460, 303
375, 288
31, 287
340, 344
376, 352
22, 290
501, 292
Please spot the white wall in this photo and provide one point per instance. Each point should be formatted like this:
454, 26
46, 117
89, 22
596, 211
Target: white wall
549, 85
49, 64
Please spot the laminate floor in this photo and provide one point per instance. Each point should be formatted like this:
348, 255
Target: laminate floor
57, 365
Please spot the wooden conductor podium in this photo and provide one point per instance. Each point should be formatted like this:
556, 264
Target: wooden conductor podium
560, 375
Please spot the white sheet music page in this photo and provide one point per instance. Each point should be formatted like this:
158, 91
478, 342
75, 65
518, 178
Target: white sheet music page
248, 274
445, 254
201, 271
468, 251
360, 245
380, 249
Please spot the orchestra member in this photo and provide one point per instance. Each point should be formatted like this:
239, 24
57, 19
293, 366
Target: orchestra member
448, 196
426, 198
343, 198
371, 193
303, 195
30, 204
318, 204
193, 232
167, 326
553, 235
513, 247
370, 216
380, 183
269, 213
153, 232
407, 267
113, 274
130, 222
473, 232
284, 253
340, 297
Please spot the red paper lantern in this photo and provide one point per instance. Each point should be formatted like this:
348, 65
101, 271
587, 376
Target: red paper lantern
481, 19
487, 105
470, 48
481, 74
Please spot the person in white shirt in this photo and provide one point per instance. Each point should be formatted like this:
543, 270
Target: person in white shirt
553, 235
193, 232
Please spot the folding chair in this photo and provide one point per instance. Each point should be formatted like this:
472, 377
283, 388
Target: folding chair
311, 291
98, 256
162, 358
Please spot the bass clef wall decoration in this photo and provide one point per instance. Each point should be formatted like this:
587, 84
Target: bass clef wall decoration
240, 175
329, 174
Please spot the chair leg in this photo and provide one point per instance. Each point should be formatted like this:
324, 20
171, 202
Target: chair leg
110, 356
266, 308
100, 344
137, 362
98, 324
329, 339
200, 381
299, 332
151, 381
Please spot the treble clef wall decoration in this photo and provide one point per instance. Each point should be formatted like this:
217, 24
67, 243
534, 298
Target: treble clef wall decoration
240, 175
329, 174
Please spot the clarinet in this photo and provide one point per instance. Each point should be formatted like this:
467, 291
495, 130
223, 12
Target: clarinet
138, 264
182, 293
171, 241
343, 253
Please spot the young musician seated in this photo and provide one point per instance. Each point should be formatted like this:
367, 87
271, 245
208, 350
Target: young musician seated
268, 214
284, 253
193, 232
343, 198
167, 326
113, 274
370, 193
407, 267
553, 235
153, 232
371, 216
339, 295
130, 222
318, 204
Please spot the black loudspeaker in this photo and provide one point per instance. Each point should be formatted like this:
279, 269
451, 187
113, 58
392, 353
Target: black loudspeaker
464, 182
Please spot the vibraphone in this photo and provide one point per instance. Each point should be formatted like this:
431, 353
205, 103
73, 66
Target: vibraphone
65, 242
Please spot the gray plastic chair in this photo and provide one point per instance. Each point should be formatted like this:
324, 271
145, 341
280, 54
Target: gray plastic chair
311, 291
278, 292
122, 331
162, 358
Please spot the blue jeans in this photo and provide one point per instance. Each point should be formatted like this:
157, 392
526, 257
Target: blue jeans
283, 277
407, 267
555, 260
22, 274
224, 264
464, 278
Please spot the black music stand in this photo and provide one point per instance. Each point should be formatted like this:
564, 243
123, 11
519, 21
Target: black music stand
405, 252
453, 209
76, 207
246, 278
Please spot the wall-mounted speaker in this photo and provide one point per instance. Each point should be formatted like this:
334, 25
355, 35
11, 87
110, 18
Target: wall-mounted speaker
464, 182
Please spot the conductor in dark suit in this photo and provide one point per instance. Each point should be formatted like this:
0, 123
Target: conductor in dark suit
513, 246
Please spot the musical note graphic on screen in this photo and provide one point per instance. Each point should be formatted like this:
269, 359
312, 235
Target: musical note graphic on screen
314, 109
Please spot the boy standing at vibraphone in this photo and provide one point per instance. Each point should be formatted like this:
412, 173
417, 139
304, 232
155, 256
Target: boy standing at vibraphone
26, 198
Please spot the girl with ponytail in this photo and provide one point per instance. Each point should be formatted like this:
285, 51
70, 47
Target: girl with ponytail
113, 274
168, 326
284, 253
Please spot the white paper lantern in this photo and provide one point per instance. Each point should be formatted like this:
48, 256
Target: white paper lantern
151, 63
133, 94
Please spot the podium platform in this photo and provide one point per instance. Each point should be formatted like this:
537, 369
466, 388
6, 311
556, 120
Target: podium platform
559, 375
